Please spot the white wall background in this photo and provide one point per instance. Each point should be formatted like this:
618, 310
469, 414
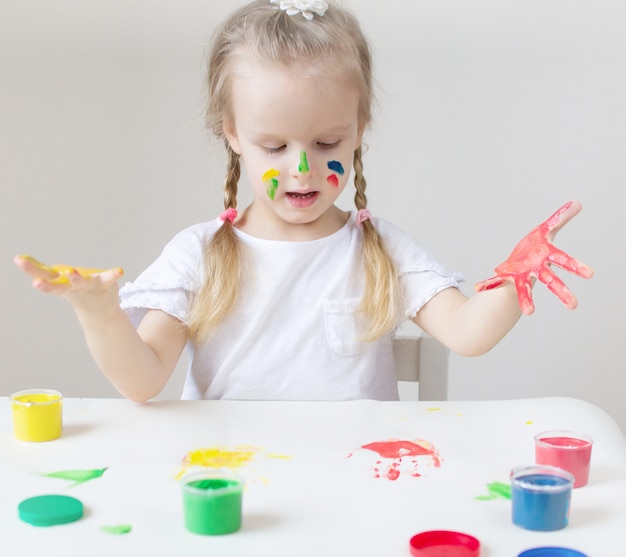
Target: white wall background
492, 113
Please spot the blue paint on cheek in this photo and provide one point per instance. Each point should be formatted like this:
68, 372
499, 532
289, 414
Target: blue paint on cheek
336, 166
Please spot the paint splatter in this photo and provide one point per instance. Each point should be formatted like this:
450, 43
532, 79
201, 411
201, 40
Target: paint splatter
220, 457
269, 177
118, 529
333, 181
77, 476
496, 490
303, 167
225, 457
398, 455
336, 166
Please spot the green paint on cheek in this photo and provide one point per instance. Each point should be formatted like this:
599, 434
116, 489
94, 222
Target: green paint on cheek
303, 167
117, 530
77, 476
272, 186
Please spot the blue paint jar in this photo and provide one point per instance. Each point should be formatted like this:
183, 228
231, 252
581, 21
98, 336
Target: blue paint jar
540, 497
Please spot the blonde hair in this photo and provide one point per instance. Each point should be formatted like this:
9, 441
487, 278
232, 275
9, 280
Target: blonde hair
261, 30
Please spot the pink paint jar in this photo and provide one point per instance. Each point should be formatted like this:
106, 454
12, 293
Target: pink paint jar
566, 450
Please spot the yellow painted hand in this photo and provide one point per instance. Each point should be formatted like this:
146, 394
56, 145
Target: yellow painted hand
62, 271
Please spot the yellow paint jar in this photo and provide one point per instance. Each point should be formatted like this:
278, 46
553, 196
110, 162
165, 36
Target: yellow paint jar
37, 414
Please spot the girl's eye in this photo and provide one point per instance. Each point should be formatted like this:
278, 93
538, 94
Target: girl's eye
324, 145
274, 149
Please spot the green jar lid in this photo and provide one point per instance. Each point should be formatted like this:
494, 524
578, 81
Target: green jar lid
49, 510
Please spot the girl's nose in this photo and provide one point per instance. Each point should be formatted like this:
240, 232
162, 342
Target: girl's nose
302, 168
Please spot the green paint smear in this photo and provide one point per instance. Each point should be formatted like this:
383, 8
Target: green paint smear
496, 490
77, 476
303, 167
271, 190
118, 530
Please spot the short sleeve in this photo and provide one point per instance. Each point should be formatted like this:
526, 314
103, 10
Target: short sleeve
169, 284
421, 274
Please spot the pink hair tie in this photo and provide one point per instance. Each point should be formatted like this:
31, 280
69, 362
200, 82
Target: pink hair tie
229, 214
362, 216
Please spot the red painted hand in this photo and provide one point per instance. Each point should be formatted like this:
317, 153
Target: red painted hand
532, 258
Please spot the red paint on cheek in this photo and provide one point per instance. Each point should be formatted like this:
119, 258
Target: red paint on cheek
333, 180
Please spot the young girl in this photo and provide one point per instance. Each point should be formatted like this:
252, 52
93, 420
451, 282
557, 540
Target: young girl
292, 298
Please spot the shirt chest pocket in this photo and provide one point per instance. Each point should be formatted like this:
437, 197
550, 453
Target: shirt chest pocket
344, 327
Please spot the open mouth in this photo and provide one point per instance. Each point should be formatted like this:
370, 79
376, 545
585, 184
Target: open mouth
302, 200
307, 195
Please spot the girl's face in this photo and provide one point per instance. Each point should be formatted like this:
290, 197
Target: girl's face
296, 131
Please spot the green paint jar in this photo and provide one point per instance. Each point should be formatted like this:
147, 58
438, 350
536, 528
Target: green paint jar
212, 502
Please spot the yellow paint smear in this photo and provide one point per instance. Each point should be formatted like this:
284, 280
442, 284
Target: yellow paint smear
225, 457
220, 457
269, 174
278, 456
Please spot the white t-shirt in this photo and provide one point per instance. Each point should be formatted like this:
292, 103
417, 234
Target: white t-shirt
293, 335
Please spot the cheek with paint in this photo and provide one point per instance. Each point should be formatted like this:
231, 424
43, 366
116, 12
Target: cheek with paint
337, 168
270, 180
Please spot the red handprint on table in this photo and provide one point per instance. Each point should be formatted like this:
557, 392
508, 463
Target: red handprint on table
532, 258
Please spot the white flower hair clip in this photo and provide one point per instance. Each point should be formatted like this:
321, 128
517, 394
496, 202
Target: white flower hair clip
306, 7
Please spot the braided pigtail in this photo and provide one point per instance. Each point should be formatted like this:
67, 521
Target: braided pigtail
222, 263
380, 303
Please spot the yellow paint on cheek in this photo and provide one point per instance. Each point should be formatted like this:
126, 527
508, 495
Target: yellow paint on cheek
269, 174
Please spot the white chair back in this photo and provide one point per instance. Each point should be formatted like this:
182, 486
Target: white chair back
422, 368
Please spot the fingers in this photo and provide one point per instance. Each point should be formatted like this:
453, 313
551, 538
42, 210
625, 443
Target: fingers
65, 271
111, 275
81, 277
569, 263
560, 218
34, 268
524, 289
557, 287
58, 278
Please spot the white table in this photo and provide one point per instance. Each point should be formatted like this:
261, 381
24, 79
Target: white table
317, 500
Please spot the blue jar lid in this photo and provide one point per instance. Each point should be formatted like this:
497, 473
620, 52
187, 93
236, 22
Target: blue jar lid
551, 552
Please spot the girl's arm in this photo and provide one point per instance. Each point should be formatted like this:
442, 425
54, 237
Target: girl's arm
137, 362
470, 326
